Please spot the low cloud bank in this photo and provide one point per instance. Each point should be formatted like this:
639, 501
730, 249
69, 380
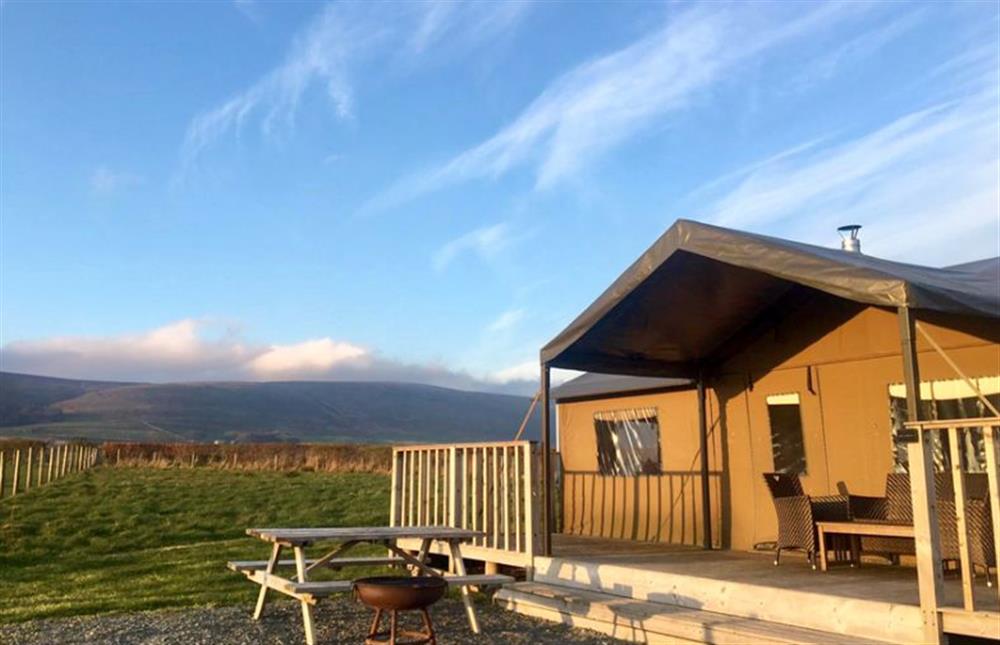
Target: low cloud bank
194, 350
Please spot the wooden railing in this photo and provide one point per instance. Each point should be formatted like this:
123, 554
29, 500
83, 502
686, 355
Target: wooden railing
927, 526
665, 507
494, 488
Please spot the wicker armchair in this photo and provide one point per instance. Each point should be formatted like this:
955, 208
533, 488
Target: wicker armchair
897, 508
798, 513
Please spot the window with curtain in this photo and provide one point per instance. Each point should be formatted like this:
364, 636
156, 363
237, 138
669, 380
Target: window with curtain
628, 442
787, 444
939, 400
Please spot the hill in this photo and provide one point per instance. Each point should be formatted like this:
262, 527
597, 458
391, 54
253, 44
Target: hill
279, 411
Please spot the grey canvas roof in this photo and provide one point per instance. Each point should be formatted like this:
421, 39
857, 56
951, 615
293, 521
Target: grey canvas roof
593, 384
698, 285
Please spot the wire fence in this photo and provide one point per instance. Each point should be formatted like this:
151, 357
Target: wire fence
37, 465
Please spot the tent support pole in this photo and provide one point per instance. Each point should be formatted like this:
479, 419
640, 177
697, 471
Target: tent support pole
954, 366
546, 463
706, 503
920, 453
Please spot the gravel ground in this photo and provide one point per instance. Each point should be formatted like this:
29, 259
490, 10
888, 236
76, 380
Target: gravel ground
339, 620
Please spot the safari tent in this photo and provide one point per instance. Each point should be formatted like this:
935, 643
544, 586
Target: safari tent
725, 372
799, 353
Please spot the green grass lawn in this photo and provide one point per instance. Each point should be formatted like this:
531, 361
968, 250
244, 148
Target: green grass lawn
133, 538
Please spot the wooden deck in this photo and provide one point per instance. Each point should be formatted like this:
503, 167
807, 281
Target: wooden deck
873, 581
876, 601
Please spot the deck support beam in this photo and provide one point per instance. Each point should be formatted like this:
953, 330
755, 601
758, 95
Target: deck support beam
921, 465
546, 463
706, 503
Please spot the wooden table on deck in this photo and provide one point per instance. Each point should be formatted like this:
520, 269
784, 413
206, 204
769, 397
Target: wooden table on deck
307, 593
857, 530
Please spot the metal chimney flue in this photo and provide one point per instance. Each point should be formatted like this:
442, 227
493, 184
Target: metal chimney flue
850, 237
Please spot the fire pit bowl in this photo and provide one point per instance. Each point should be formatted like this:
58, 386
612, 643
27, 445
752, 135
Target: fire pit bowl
397, 593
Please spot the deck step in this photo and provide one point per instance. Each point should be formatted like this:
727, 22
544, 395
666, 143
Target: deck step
653, 622
754, 597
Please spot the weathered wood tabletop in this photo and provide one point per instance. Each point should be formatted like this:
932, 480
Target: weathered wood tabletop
263, 572
362, 533
856, 530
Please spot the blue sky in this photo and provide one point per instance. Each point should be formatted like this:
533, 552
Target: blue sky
430, 192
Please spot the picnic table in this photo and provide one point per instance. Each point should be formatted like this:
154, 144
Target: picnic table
309, 592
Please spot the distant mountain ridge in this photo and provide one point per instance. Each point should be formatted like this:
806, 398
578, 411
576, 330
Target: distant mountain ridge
314, 411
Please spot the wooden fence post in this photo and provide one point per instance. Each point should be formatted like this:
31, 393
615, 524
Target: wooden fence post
2, 462
52, 458
27, 468
17, 469
41, 465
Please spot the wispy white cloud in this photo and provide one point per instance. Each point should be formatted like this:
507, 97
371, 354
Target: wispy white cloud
505, 321
105, 181
606, 101
919, 184
854, 50
325, 53
466, 21
320, 55
486, 242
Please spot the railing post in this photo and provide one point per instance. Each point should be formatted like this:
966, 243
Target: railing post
394, 498
530, 507
922, 490
962, 529
453, 486
925, 527
992, 445
546, 491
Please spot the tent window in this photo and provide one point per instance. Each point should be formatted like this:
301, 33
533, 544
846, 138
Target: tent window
940, 400
628, 442
787, 444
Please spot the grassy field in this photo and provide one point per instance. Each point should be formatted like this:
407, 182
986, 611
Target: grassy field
125, 539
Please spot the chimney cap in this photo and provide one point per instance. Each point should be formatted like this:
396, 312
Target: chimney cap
850, 240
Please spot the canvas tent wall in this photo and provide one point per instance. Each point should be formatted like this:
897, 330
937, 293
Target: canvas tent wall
661, 506
760, 317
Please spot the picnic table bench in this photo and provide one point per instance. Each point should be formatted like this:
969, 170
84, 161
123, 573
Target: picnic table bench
309, 592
